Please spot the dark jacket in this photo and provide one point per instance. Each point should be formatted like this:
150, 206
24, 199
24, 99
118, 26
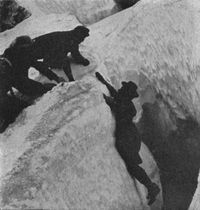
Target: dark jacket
22, 59
55, 46
127, 137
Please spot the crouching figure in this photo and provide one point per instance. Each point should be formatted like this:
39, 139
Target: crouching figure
54, 47
127, 137
14, 65
21, 57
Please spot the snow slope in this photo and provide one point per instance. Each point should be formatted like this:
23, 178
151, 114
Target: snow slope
86, 11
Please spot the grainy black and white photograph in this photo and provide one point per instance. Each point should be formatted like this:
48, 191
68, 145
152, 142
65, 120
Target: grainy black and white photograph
100, 104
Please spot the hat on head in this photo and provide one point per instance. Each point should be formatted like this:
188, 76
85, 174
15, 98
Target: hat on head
131, 85
129, 89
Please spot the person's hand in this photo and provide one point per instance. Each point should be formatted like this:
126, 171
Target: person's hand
86, 62
60, 79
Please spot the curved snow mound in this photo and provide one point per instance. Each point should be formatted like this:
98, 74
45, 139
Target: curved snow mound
86, 11
60, 155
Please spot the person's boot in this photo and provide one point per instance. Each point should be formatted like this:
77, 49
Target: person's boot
153, 191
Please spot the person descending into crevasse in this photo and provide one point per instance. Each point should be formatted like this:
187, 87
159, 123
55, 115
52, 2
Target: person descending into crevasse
54, 47
21, 58
127, 137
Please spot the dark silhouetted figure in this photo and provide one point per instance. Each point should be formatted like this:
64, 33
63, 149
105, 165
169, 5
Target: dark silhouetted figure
127, 137
54, 47
20, 55
14, 65
10, 106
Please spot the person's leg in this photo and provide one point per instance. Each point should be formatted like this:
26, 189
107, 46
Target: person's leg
30, 87
139, 173
67, 69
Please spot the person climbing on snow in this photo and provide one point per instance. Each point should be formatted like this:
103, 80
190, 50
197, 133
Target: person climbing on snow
127, 137
21, 57
14, 65
54, 47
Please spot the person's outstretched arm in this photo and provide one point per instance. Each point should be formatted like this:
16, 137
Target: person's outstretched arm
43, 69
111, 89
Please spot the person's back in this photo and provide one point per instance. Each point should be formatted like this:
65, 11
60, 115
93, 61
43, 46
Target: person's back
21, 60
60, 40
57, 42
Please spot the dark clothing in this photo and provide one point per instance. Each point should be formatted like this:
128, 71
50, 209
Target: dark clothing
5, 76
30, 87
128, 143
14, 75
10, 107
54, 47
128, 140
22, 59
140, 174
127, 137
